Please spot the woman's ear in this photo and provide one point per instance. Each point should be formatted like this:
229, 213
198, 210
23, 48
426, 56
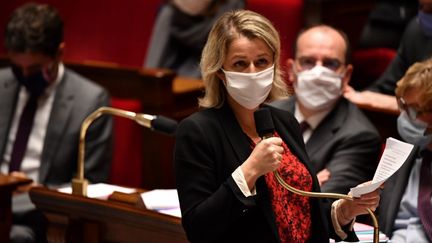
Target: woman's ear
221, 75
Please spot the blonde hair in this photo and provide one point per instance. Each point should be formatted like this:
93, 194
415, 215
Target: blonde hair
418, 76
227, 28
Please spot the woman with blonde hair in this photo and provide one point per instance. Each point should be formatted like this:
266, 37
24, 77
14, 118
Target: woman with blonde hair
223, 168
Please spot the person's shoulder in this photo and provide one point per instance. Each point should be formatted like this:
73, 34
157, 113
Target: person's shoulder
356, 118
282, 108
5, 73
413, 24
203, 116
84, 84
412, 30
204, 121
286, 104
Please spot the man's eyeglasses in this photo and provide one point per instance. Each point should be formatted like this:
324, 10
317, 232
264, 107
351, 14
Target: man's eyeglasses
412, 112
307, 63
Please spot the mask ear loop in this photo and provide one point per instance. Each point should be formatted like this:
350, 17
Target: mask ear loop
47, 73
221, 73
50, 73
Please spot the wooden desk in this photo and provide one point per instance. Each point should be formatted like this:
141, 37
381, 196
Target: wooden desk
81, 219
7, 185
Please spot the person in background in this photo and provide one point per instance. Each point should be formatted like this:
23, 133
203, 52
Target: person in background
224, 178
405, 210
180, 32
386, 23
42, 107
342, 144
416, 45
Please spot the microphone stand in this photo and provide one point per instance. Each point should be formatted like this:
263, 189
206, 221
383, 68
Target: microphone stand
328, 195
79, 183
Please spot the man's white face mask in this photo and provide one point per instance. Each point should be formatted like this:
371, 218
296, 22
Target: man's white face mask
318, 88
249, 89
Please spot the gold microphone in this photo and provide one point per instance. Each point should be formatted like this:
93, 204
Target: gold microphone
265, 128
157, 123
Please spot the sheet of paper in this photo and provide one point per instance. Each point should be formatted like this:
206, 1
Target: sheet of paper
176, 212
395, 154
100, 190
161, 199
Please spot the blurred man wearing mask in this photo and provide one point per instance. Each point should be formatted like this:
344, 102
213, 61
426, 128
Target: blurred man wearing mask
341, 143
42, 107
415, 46
405, 209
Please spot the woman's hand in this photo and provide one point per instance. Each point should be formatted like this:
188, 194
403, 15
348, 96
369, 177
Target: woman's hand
347, 210
266, 157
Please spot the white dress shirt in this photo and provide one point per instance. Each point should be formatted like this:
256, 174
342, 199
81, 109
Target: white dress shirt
32, 157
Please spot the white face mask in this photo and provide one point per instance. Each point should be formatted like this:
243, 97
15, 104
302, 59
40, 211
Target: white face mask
318, 88
249, 89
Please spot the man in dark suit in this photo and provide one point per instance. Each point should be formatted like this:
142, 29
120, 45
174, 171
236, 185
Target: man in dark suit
42, 107
415, 46
405, 211
342, 144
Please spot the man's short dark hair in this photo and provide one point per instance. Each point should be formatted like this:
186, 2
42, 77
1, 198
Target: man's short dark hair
34, 28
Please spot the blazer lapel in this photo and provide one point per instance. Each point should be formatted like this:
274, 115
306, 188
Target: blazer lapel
238, 140
287, 124
328, 126
394, 197
288, 133
57, 124
242, 149
9, 94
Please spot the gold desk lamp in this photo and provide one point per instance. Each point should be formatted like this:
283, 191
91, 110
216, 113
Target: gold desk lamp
159, 123
265, 128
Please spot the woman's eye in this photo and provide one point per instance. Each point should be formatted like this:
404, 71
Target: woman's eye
240, 64
262, 62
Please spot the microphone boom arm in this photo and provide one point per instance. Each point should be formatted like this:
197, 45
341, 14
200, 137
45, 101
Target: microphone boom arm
79, 183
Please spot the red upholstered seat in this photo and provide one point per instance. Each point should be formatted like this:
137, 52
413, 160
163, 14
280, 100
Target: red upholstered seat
286, 15
126, 167
369, 64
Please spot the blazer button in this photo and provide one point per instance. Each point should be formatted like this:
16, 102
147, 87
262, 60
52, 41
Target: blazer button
245, 210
